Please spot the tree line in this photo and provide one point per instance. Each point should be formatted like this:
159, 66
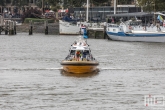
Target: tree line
54, 4
152, 5
147, 5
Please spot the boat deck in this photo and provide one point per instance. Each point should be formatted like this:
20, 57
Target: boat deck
148, 32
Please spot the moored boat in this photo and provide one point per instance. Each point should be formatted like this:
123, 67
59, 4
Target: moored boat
125, 32
71, 27
80, 59
75, 27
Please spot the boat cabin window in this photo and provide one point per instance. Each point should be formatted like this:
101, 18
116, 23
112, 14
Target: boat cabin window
86, 52
134, 23
116, 26
72, 52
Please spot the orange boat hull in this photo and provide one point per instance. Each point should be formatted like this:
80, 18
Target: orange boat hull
79, 67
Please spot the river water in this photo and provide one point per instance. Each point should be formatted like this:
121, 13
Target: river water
31, 76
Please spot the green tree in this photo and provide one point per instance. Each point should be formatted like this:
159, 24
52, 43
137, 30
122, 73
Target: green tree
80, 3
99, 1
2, 2
54, 4
20, 4
73, 3
152, 5
124, 2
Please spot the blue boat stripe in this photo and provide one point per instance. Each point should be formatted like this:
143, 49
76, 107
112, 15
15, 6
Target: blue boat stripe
136, 35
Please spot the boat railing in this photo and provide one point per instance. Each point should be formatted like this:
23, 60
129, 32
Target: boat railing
81, 58
148, 28
68, 57
112, 25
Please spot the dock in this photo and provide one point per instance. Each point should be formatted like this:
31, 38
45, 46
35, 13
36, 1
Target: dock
8, 26
97, 32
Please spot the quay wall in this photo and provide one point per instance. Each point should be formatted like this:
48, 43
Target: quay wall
53, 28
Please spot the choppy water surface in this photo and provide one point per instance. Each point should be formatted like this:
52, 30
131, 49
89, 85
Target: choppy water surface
30, 76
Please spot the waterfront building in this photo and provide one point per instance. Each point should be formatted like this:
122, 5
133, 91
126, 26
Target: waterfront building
99, 13
11, 6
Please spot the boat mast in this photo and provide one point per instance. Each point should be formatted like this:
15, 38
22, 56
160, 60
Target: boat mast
87, 10
154, 13
114, 6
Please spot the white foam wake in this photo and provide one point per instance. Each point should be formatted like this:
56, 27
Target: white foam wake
33, 69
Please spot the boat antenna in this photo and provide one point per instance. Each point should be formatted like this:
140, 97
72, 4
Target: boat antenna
80, 22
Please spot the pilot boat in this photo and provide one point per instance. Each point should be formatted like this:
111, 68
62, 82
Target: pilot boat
80, 59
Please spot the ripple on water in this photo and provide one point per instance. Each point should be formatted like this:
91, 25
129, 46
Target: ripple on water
31, 76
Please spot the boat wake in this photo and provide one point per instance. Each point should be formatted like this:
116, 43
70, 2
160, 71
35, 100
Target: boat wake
100, 69
131, 69
30, 69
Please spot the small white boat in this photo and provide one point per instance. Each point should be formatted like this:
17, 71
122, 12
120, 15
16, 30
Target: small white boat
124, 32
75, 28
80, 59
71, 28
